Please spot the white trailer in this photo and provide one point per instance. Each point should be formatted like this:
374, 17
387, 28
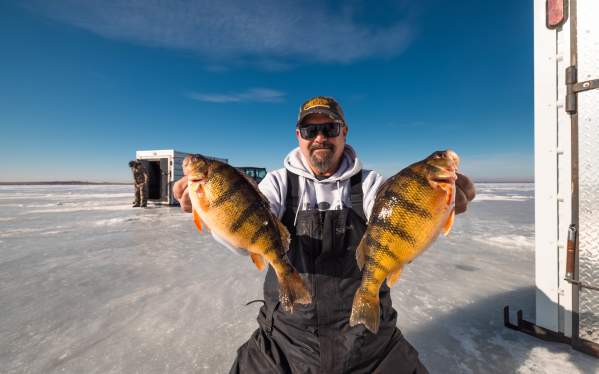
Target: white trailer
164, 167
566, 68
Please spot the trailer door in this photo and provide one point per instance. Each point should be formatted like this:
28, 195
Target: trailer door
567, 172
588, 181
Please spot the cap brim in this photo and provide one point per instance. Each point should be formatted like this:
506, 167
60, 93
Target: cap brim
329, 113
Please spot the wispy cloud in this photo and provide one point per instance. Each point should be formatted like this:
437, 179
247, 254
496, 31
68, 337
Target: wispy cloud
264, 95
280, 32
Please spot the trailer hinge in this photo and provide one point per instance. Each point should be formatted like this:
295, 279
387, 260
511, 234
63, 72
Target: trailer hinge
574, 87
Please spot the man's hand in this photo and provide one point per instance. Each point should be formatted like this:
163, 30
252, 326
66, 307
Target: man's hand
181, 194
465, 192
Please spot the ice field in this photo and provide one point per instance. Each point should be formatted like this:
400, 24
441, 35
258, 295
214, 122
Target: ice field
90, 285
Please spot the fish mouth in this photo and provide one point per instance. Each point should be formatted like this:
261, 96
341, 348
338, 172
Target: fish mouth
444, 175
445, 179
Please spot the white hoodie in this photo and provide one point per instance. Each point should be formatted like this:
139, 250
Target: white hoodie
332, 193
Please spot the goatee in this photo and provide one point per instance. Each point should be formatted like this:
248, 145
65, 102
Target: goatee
322, 160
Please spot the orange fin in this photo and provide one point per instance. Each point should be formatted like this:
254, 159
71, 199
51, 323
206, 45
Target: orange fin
393, 276
258, 260
449, 223
202, 200
197, 220
450, 194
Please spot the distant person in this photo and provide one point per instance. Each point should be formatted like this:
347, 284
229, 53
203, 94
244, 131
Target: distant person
140, 180
324, 197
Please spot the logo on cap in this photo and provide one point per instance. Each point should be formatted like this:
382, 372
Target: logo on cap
318, 101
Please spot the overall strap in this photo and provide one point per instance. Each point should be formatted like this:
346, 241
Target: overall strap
292, 197
291, 201
357, 195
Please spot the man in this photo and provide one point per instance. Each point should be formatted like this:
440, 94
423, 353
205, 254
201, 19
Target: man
140, 180
324, 198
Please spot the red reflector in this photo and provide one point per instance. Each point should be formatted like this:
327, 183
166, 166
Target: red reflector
555, 13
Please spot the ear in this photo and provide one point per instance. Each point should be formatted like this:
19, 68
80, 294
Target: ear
297, 134
344, 131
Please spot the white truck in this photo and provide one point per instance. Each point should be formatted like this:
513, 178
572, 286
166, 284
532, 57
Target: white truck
566, 78
164, 167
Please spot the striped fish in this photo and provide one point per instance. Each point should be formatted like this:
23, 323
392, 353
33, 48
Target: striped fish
231, 205
410, 210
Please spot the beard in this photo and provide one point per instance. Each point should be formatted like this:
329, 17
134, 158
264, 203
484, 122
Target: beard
322, 160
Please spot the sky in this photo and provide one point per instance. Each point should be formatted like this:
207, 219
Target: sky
83, 85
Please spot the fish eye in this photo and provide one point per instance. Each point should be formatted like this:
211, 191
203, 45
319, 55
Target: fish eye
437, 155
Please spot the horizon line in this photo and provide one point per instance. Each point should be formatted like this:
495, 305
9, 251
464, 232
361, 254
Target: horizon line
77, 182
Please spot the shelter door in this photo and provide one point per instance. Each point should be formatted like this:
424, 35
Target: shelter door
153, 170
588, 134
164, 178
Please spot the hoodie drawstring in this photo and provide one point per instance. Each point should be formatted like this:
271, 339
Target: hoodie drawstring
301, 199
339, 204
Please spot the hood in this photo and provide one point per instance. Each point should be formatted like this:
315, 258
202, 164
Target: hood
349, 166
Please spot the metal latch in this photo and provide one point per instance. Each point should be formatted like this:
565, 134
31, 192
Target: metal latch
574, 87
581, 285
571, 252
571, 260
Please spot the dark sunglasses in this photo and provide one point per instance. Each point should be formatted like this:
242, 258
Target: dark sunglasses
328, 130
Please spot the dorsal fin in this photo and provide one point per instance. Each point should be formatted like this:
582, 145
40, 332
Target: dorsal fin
243, 175
285, 237
362, 253
384, 187
255, 187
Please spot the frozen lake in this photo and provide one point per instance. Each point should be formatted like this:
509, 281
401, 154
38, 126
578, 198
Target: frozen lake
90, 285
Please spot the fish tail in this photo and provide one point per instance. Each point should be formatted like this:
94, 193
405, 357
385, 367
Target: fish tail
366, 310
292, 289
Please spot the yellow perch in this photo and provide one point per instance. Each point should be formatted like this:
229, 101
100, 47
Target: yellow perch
410, 210
234, 209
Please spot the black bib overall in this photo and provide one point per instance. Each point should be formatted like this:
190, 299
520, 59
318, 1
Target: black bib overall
317, 338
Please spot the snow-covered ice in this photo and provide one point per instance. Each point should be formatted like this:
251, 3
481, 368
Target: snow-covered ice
90, 285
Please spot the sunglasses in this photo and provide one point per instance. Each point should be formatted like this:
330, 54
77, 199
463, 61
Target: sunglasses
328, 130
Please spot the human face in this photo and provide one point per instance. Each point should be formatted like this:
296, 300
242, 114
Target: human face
322, 153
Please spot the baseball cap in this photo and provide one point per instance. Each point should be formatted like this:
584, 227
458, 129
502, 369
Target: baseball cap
321, 105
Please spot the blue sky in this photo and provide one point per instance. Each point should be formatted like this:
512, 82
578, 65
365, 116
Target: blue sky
83, 85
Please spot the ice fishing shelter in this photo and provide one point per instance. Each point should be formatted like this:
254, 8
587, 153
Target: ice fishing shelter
164, 167
566, 68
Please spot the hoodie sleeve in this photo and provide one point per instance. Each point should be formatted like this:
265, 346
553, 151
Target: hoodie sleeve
371, 182
274, 187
